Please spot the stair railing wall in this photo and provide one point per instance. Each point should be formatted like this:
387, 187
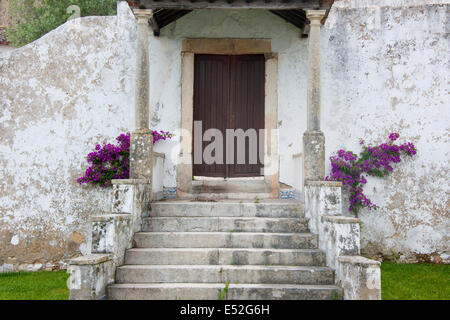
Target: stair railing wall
339, 238
112, 234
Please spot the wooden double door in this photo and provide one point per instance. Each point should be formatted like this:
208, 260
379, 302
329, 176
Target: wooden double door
229, 94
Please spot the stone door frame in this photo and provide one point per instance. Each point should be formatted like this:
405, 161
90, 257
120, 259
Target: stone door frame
228, 46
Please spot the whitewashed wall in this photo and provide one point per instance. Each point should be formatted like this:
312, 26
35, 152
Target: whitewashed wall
386, 69
59, 97
72, 88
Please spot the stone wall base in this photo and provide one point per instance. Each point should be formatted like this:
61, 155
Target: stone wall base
314, 156
141, 154
339, 238
359, 277
90, 275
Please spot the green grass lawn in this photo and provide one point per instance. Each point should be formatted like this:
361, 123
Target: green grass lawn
41, 285
422, 281
399, 282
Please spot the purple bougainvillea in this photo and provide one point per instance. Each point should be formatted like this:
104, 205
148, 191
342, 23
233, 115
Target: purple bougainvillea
377, 161
110, 161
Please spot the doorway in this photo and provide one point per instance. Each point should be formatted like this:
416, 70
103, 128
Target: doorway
229, 94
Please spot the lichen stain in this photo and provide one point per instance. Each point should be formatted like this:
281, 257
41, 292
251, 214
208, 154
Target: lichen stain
75, 240
36, 247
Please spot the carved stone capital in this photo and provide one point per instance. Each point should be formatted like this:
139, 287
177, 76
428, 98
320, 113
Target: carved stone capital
315, 16
143, 15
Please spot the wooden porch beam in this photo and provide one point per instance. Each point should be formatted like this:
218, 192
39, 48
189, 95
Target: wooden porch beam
154, 25
237, 4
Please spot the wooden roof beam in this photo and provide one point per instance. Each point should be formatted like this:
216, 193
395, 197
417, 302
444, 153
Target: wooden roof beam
237, 4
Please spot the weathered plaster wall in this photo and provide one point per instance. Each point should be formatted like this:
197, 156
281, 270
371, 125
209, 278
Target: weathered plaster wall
59, 96
386, 69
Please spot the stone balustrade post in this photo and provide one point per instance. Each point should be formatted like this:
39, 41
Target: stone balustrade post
141, 149
313, 138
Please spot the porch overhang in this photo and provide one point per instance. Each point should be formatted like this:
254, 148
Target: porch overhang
292, 11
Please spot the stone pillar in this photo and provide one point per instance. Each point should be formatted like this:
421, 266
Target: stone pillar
313, 138
141, 149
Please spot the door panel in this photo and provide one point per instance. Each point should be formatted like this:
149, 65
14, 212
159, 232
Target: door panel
247, 110
229, 93
211, 100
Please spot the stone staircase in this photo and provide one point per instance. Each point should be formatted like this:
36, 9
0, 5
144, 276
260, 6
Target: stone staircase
196, 250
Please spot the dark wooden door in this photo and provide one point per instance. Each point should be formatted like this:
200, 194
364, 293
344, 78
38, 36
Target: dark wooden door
211, 100
229, 94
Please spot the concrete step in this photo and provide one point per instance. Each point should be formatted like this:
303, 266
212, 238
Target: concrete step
224, 274
228, 208
224, 224
225, 240
234, 188
224, 256
210, 291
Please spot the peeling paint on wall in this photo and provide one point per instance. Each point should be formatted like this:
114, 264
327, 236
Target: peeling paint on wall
386, 69
60, 96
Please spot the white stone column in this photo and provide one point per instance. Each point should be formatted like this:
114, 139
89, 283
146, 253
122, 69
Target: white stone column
313, 138
314, 69
141, 149
142, 70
